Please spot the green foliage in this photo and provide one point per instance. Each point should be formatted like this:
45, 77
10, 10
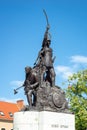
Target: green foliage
77, 96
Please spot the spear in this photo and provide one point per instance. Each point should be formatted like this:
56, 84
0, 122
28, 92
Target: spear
47, 34
48, 25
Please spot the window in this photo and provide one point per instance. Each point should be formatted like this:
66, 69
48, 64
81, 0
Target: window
10, 113
2, 128
1, 113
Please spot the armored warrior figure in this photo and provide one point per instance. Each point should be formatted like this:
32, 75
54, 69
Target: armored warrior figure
30, 86
48, 63
45, 60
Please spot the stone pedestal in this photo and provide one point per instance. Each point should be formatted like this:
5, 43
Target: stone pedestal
44, 120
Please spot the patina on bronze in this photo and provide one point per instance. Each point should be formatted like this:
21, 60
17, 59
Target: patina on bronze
39, 85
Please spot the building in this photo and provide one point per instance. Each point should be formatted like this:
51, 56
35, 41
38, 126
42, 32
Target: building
7, 111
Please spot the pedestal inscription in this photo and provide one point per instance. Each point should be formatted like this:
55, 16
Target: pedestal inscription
43, 120
56, 121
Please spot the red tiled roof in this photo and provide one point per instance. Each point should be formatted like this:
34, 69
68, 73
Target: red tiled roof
7, 108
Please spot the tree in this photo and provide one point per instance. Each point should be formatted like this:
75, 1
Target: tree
77, 97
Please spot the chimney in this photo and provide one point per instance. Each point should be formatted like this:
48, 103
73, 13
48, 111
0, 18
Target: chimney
20, 104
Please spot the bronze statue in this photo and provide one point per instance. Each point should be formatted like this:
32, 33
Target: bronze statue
45, 58
30, 86
48, 63
39, 85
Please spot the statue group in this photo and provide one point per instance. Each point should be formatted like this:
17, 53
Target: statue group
42, 72
39, 85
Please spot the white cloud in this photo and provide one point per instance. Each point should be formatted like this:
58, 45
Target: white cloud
16, 83
9, 100
79, 59
4, 99
62, 68
63, 71
77, 63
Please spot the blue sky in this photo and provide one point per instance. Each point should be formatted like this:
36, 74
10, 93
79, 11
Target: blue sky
22, 27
